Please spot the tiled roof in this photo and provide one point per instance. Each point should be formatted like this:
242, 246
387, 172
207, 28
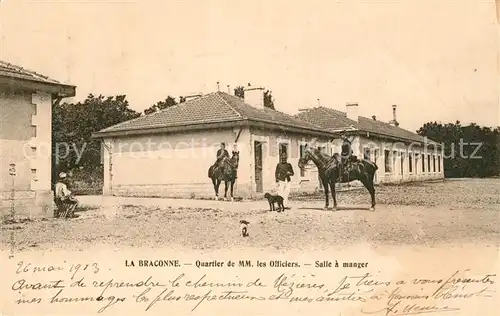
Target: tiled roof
217, 107
17, 72
334, 120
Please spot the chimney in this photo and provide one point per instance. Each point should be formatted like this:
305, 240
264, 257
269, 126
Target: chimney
193, 96
255, 97
394, 121
352, 111
374, 117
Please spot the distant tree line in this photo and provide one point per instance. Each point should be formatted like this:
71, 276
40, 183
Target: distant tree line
470, 151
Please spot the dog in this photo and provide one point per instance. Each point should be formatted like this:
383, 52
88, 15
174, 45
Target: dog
244, 228
275, 199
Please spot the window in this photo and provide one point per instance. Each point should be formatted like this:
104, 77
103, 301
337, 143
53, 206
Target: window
366, 153
410, 163
402, 161
423, 163
394, 156
387, 161
301, 154
283, 149
439, 163
428, 163
433, 163
417, 157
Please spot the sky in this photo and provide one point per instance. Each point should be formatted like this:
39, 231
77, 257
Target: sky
436, 59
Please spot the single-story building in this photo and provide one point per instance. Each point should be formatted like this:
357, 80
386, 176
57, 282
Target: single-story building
168, 153
401, 155
26, 101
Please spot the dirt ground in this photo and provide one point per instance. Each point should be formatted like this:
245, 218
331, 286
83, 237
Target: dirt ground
430, 214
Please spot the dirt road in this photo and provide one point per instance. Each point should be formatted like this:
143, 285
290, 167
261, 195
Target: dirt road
446, 212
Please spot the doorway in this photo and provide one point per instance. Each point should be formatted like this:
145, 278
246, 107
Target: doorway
258, 166
366, 153
283, 149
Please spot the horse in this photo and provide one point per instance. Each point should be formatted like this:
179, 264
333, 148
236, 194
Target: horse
224, 171
330, 172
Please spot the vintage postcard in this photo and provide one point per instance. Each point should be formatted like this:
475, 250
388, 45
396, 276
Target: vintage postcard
227, 157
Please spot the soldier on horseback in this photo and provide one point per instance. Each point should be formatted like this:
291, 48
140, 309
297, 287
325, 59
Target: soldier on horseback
221, 154
347, 154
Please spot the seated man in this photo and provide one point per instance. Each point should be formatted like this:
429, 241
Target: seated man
64, 198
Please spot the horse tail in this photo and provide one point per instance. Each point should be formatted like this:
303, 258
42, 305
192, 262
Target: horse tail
210, 172
372, 167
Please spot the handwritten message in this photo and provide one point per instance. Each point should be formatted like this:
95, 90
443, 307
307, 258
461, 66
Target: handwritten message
197, 287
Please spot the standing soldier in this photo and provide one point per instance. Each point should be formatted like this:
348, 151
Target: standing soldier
283, 174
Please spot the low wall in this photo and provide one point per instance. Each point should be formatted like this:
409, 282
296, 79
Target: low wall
199, 190
27, 204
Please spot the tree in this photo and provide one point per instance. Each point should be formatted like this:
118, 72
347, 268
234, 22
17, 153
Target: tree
470, 151
268, 100
161, 105
239, 91
73, 125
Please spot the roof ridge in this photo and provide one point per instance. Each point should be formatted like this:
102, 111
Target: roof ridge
22, 69
170, 108
218, 93
333, 109
265, 109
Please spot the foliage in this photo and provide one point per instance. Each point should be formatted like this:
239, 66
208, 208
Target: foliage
461, 143
161, 105
239, 91
73, 125
268, 100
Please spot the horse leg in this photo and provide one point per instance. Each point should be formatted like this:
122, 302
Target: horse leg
325, 186
370, 187
214, 182
334, 194
225, 190
217, 184
232, 187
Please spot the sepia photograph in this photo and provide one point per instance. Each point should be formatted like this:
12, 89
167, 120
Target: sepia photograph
252, 157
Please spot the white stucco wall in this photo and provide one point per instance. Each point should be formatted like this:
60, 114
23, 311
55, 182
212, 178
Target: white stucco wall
176, 165
26, 139
170, 164
395, 175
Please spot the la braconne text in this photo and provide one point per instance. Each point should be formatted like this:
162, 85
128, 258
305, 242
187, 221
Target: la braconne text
164, 263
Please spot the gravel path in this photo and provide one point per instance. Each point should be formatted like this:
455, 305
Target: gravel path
417, 214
